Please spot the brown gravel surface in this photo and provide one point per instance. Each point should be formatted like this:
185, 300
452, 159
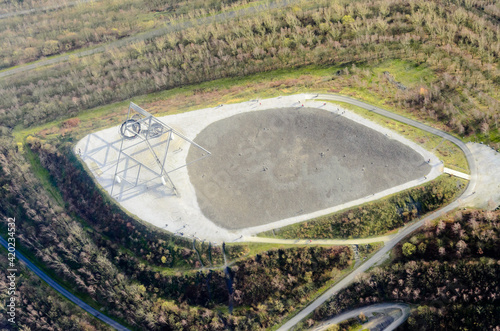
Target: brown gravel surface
278, 163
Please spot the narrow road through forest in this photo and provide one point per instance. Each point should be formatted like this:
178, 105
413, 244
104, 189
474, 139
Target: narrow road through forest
406, 231
170, 28
43, 9
52, 283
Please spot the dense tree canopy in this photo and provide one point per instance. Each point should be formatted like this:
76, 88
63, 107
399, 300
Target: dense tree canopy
453, 275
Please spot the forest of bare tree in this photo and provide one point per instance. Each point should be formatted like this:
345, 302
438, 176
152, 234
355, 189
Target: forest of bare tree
148, 278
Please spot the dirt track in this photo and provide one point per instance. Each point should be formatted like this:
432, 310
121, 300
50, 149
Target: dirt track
279, 163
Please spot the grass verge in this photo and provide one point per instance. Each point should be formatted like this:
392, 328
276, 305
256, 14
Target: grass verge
376, 218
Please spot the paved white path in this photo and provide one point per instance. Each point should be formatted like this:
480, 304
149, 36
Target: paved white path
456, 173
487, 193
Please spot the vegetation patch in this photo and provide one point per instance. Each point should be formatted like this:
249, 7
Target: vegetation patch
446, 82
163, 262
378, 217
67, 28
452, 276
34, 298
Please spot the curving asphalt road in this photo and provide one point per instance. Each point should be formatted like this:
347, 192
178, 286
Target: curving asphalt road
52, 283
151, 34
406, 231
405, 310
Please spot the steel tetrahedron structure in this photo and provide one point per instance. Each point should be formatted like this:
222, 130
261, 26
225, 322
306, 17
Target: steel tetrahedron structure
149, 152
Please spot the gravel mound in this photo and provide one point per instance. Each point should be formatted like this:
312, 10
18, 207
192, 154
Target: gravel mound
273, 164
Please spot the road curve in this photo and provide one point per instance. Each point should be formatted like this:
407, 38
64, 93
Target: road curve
52, 283
405, 309
151, 34
407, 230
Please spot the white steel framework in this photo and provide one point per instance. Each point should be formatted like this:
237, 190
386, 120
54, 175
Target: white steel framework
145, 145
